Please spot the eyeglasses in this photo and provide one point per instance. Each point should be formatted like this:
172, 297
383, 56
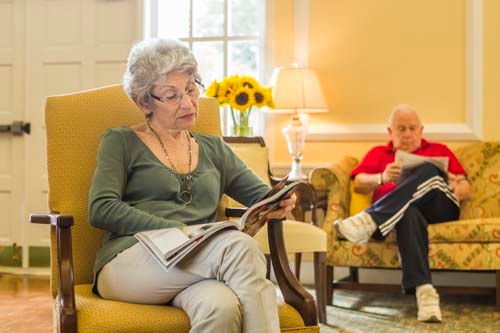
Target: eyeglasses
174, 97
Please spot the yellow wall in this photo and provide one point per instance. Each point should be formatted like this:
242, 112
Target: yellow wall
491, 117
373, 54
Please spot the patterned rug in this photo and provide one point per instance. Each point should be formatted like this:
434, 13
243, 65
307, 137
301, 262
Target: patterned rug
373, 312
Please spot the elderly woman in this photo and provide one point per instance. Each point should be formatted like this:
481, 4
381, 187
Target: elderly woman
158, 174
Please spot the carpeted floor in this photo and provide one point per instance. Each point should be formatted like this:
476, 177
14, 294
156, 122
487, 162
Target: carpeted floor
356, 311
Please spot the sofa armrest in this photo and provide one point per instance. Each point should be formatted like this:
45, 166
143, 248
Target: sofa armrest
332, 186
65, 281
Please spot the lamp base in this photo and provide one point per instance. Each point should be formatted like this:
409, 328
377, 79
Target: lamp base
296, 172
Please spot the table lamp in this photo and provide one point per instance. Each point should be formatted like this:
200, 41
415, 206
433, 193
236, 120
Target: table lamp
297, 90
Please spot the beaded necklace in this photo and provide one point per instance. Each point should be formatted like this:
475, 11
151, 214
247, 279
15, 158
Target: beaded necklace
185, 180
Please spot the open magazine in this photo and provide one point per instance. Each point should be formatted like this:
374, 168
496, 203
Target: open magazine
409, 160
171, 245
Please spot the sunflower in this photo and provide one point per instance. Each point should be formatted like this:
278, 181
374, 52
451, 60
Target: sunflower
213, 89
242, 98
242, 93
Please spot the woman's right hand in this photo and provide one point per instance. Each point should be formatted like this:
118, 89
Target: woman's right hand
286, 206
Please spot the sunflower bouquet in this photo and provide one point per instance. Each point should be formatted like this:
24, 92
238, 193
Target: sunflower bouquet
241, 93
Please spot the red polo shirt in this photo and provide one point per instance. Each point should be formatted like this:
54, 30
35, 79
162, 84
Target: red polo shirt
378, 157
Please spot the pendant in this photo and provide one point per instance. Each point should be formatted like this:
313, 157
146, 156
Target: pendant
186, 186
186, 197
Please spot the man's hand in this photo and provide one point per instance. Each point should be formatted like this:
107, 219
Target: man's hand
392, 173
460, 186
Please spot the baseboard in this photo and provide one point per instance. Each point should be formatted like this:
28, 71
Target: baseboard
12, 256
32, 271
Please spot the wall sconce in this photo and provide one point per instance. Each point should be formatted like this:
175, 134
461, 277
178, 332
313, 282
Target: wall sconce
297, 90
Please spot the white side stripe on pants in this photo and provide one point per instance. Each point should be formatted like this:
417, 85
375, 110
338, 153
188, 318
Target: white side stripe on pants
435, 182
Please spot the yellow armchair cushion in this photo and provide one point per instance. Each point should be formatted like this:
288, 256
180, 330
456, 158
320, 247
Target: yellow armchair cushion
104, 316
300, 237
99, 315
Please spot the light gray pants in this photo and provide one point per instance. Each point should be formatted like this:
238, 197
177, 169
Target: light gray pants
222, 286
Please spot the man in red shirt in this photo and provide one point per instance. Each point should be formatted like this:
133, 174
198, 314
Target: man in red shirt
407, 202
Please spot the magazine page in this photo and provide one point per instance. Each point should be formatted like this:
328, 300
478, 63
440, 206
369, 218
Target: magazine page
160, 241
171, 245
256, 216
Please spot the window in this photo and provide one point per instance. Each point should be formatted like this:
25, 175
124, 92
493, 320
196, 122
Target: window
226, 36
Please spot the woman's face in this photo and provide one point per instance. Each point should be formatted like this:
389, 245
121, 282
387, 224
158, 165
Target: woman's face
175, 97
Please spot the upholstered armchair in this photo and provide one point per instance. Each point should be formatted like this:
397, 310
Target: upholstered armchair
74, 124
470, 244
299, 236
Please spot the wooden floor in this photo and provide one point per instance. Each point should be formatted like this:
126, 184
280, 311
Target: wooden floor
26, 307
25, 304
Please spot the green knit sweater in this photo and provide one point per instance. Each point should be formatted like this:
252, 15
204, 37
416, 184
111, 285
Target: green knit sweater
132, 190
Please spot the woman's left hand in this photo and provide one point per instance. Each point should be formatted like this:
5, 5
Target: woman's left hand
286, 206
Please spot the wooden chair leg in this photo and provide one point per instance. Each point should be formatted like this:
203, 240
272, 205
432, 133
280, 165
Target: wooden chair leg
497, 287
353, 274
320, 285
329, 284
268, 266
298, 260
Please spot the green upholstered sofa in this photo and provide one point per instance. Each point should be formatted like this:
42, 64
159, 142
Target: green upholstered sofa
470, 244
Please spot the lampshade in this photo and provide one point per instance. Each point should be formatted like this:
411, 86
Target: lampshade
297, 90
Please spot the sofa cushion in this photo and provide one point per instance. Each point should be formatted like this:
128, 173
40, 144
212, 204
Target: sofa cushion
466, 231
446, 256
461, 231
359, 201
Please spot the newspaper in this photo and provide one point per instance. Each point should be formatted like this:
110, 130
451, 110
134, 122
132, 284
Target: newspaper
171, 245
409, 160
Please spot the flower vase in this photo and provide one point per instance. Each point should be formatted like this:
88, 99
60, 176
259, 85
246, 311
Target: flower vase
239, 130
240, 125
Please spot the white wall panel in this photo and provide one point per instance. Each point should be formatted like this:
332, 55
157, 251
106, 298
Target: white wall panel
61, 78
6, 224
71, 45
107, 73
110, 30
6, 88
50, 47
6, 24
6, 160
63, 23
11, 109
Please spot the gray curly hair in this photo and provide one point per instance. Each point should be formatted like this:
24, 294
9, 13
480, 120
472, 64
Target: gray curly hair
149, 60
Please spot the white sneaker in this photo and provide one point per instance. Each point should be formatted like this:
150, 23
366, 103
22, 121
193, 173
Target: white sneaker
428, 304
357, 228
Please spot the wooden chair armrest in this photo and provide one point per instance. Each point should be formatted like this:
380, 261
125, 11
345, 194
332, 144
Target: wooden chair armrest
65, 282
293, 292
274, 179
